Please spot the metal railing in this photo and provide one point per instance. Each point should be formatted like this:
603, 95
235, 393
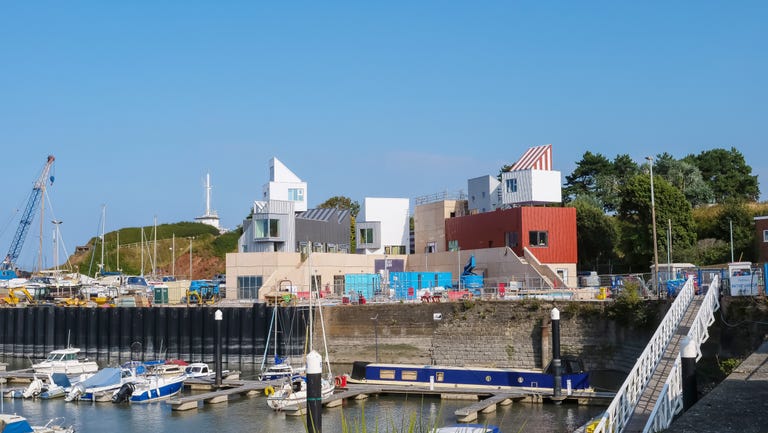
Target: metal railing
619, 412
670, 401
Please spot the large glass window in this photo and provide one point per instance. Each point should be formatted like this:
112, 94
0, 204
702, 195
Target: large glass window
453, 245
366, 236
269, 228
296, 194
248, 286
538, 239
512, 185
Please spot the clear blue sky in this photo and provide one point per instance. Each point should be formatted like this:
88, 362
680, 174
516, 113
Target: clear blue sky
138, 100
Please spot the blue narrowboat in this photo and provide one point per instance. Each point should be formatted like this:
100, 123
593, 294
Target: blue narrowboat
469, 377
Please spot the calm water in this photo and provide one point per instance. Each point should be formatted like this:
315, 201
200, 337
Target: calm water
388, 413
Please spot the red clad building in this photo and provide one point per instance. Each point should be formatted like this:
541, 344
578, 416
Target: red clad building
548, 232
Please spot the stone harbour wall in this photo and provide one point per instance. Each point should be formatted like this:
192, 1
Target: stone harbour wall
481, 333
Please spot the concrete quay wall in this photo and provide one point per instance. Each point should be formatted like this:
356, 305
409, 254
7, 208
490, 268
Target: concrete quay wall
481, 333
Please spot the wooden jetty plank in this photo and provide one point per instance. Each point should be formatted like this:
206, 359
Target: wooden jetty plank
469, 413
219, 395
332, 400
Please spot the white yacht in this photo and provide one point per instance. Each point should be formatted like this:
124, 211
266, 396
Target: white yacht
65, 361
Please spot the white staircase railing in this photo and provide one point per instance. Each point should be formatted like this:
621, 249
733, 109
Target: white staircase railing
670, 401
617, 416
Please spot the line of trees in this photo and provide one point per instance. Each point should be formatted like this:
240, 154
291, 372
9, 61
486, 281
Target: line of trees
697, 198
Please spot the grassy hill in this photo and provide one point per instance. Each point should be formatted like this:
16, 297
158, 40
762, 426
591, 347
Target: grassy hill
124, 251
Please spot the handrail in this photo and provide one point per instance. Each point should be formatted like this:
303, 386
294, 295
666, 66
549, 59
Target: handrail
670, 401
617, 416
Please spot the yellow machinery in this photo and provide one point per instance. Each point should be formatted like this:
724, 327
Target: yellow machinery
12, 299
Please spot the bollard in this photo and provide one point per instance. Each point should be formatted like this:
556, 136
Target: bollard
314, 392
688, 369
218, 316
557, 385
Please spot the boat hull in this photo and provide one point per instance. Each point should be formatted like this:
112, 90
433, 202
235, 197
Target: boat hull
460, 377
157, 389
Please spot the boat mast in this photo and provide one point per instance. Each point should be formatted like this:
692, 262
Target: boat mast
309, 267
154, 253
142, 251
103, 218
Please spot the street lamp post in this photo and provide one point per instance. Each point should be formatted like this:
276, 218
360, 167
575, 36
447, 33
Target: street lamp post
655, 244
376, 334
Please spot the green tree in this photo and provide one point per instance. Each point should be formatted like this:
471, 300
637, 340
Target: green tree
727, 174
344, 203
341, 202
584, 179
636, 224
596, 234
685, 176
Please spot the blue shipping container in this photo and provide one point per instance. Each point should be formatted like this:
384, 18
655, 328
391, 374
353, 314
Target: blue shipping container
367, 285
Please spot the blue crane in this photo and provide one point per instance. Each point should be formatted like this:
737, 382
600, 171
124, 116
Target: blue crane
33, 203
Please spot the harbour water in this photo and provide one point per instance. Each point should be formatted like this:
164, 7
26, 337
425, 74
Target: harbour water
387, 413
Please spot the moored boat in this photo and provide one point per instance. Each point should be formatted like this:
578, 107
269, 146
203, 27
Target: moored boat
65, 361
573, 376
148, 388
294, 392
19, 424
101, 386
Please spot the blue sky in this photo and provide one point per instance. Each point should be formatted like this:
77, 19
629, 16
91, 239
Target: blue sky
138, 100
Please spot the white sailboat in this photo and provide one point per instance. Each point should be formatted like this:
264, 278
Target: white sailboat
294, 391
281, 367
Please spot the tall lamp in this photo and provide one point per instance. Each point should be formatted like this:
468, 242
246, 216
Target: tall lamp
655, 243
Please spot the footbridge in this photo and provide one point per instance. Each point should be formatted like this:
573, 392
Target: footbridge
652, 394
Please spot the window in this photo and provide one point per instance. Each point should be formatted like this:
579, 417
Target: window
512, 239
269, 228
483, 194
431, 247
440, 376
386, 374
512, 185
366, 236
248, 286
296, 194
538, 239
408, 375
765, 235
396, 249
453, 245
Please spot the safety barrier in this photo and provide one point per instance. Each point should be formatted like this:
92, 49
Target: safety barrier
617, 416
670, 401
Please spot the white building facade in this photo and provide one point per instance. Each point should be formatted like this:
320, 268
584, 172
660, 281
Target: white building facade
484, 194
285, 185
382, 226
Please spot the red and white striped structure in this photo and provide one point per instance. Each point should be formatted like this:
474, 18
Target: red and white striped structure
535, 158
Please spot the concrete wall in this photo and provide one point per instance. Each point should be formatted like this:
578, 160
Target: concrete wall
429, 223
488, 333
277, 267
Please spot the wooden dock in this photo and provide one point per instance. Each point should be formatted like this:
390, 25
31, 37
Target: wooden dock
237, 388
488, 405
334, 400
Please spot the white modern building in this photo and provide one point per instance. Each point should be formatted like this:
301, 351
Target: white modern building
383, 226
285, 185
484, 194
271, 227
531, 180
